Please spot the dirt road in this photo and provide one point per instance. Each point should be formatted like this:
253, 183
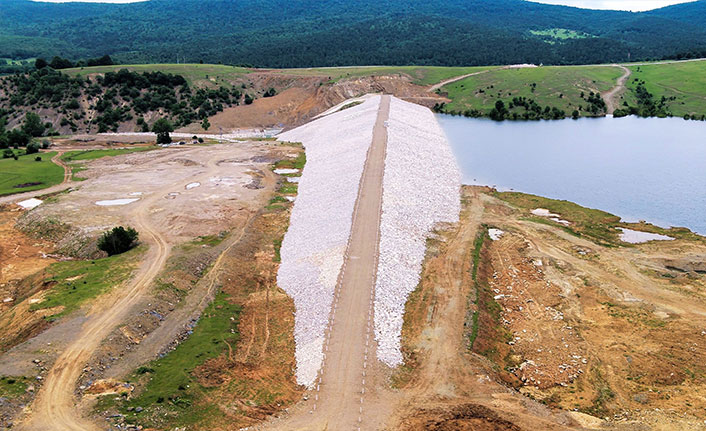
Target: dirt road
611, 96
346, 396
54, 407
67, 170
435, 87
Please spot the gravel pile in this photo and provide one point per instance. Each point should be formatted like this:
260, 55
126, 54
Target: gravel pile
421, 188
313, 247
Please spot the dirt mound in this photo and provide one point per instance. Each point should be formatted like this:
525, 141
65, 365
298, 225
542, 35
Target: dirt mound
299, 99
109, 386
465, 417
608, 331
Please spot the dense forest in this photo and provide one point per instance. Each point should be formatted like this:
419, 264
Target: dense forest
303, 33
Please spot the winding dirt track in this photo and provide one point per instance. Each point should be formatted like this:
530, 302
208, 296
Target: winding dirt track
435, 87
54, 406
611, 96
67, 170
54, 409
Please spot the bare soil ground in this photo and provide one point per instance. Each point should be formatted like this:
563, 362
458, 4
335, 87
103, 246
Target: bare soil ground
299, 99
613, 96
570, 335
232, 185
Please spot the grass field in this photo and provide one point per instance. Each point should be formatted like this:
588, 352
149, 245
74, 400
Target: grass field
559, 87
218, 74
686, 81
422, 75
77, 281
25, 170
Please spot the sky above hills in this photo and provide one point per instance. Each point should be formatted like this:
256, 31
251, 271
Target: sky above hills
633, 5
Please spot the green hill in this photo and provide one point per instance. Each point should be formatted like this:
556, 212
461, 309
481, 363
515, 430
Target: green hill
307, 33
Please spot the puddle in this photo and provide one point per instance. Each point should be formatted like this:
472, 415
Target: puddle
114, 202
637, 237
30, 203
192, 186
293, 179
286, 171
495, 234
291, 198
135, 194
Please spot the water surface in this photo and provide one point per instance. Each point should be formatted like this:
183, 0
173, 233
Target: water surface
640, 169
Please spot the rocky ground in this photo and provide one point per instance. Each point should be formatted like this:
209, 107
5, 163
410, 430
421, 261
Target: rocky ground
568, 333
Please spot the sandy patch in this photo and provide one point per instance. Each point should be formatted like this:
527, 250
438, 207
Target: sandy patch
542, 212
286, 171
30, 203
115, 202
495, 234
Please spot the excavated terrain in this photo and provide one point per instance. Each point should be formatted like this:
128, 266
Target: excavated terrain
568, 333
209, 194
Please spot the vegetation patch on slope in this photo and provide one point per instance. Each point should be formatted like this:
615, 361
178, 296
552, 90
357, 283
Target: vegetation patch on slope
551, 35
532, 92
597, 225
77, 281
104, 101
680, 89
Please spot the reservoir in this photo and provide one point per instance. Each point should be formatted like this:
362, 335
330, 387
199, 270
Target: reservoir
651, 169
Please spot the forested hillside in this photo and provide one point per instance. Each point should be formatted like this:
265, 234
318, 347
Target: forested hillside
104, 102
303, 33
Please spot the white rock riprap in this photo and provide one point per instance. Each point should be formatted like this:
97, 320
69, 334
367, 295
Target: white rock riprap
421, 187
313, 248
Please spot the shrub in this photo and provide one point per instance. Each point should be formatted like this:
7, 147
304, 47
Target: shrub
38, 159
17, 138
118, 240
32, 148
33, 125
162, 128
